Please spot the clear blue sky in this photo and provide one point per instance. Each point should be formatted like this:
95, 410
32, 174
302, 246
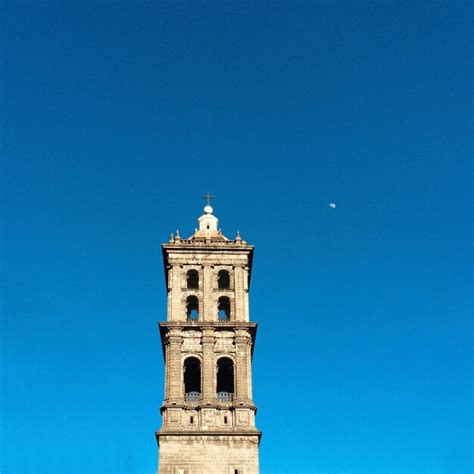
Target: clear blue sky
116, 117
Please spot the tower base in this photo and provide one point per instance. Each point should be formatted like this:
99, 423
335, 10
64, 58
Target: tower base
210, 453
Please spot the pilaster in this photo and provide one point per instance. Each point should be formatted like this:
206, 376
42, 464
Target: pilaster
174, 366
243, 343
207, 293
208, 366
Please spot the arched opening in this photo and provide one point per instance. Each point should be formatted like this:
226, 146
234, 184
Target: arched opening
225, 379
223, 280
192, 308
192, 379
223, 308
192, 279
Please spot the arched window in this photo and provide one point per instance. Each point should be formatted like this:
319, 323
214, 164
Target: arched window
223, 308
225, 379
223, 280
192, 279
192, 308
192, 379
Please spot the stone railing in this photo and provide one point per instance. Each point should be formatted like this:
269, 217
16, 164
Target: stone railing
225, 397
193, 396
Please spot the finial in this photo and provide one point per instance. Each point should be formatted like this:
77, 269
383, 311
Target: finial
171, 238
208, 209
237, 237
178, 237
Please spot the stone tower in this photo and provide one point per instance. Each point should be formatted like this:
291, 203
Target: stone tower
208, 415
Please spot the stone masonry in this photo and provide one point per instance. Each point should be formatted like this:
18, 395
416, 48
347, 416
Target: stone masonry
208, 414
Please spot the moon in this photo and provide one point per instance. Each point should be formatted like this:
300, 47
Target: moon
332, 205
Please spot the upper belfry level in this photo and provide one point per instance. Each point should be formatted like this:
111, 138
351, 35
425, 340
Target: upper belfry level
208, 414
208, 275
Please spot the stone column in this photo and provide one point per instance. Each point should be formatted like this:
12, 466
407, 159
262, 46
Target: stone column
245, 296
174, 368
177, 309
207, 294
169, 292
239, 294
208, 366
249, 369
242, 349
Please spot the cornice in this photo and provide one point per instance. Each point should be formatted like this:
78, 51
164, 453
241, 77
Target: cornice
165, 327
208, 324
199, 434
229, 247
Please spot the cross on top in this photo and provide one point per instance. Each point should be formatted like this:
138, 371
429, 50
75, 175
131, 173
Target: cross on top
208, 197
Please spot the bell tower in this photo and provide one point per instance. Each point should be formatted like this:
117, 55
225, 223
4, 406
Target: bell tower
208, 414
